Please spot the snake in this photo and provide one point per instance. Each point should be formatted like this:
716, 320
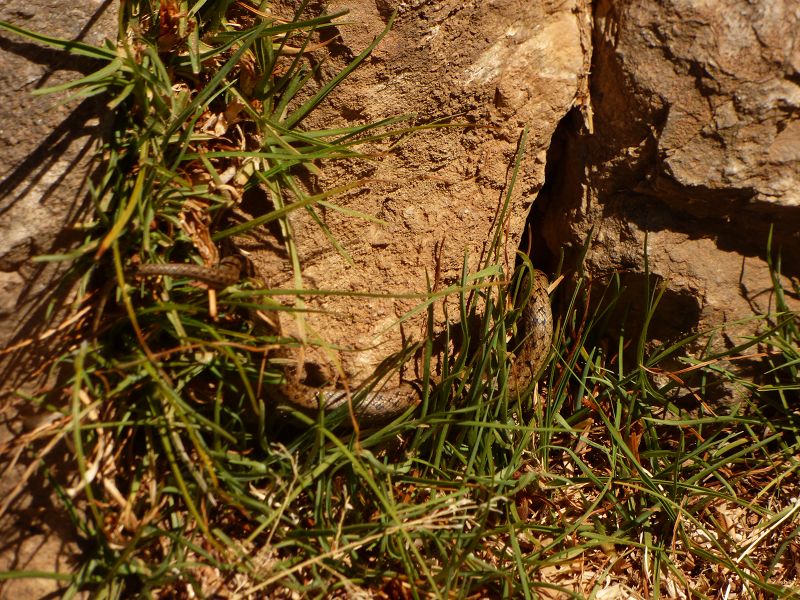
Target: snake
224, 274
532, 341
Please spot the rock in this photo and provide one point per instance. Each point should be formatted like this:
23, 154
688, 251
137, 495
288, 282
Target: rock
500, 66
682, 142
47, 146
694, 154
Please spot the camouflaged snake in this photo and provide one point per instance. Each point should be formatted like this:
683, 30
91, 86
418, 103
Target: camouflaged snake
535, 331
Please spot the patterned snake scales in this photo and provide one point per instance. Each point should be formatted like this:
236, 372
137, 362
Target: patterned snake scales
533, 342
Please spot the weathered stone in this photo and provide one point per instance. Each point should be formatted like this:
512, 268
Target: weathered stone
695, 153
500, 66
47, 146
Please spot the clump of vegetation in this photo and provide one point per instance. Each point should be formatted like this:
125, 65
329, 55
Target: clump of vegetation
604, 480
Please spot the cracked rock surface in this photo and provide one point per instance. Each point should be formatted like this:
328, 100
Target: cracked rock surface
492, 68
695, 155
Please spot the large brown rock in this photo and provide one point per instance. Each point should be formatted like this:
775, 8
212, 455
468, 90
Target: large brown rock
502, 66
694, 156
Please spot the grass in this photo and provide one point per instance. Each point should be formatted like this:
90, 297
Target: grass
619, 474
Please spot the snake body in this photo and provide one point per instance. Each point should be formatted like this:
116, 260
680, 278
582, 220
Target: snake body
532, 341
534, 334
226, 273
373, 408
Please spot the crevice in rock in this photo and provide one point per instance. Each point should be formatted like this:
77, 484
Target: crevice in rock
563, 177
547, 228
637, 185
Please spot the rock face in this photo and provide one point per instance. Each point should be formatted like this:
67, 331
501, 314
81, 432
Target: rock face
46, 146
695, 154
683, 143
500, 66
